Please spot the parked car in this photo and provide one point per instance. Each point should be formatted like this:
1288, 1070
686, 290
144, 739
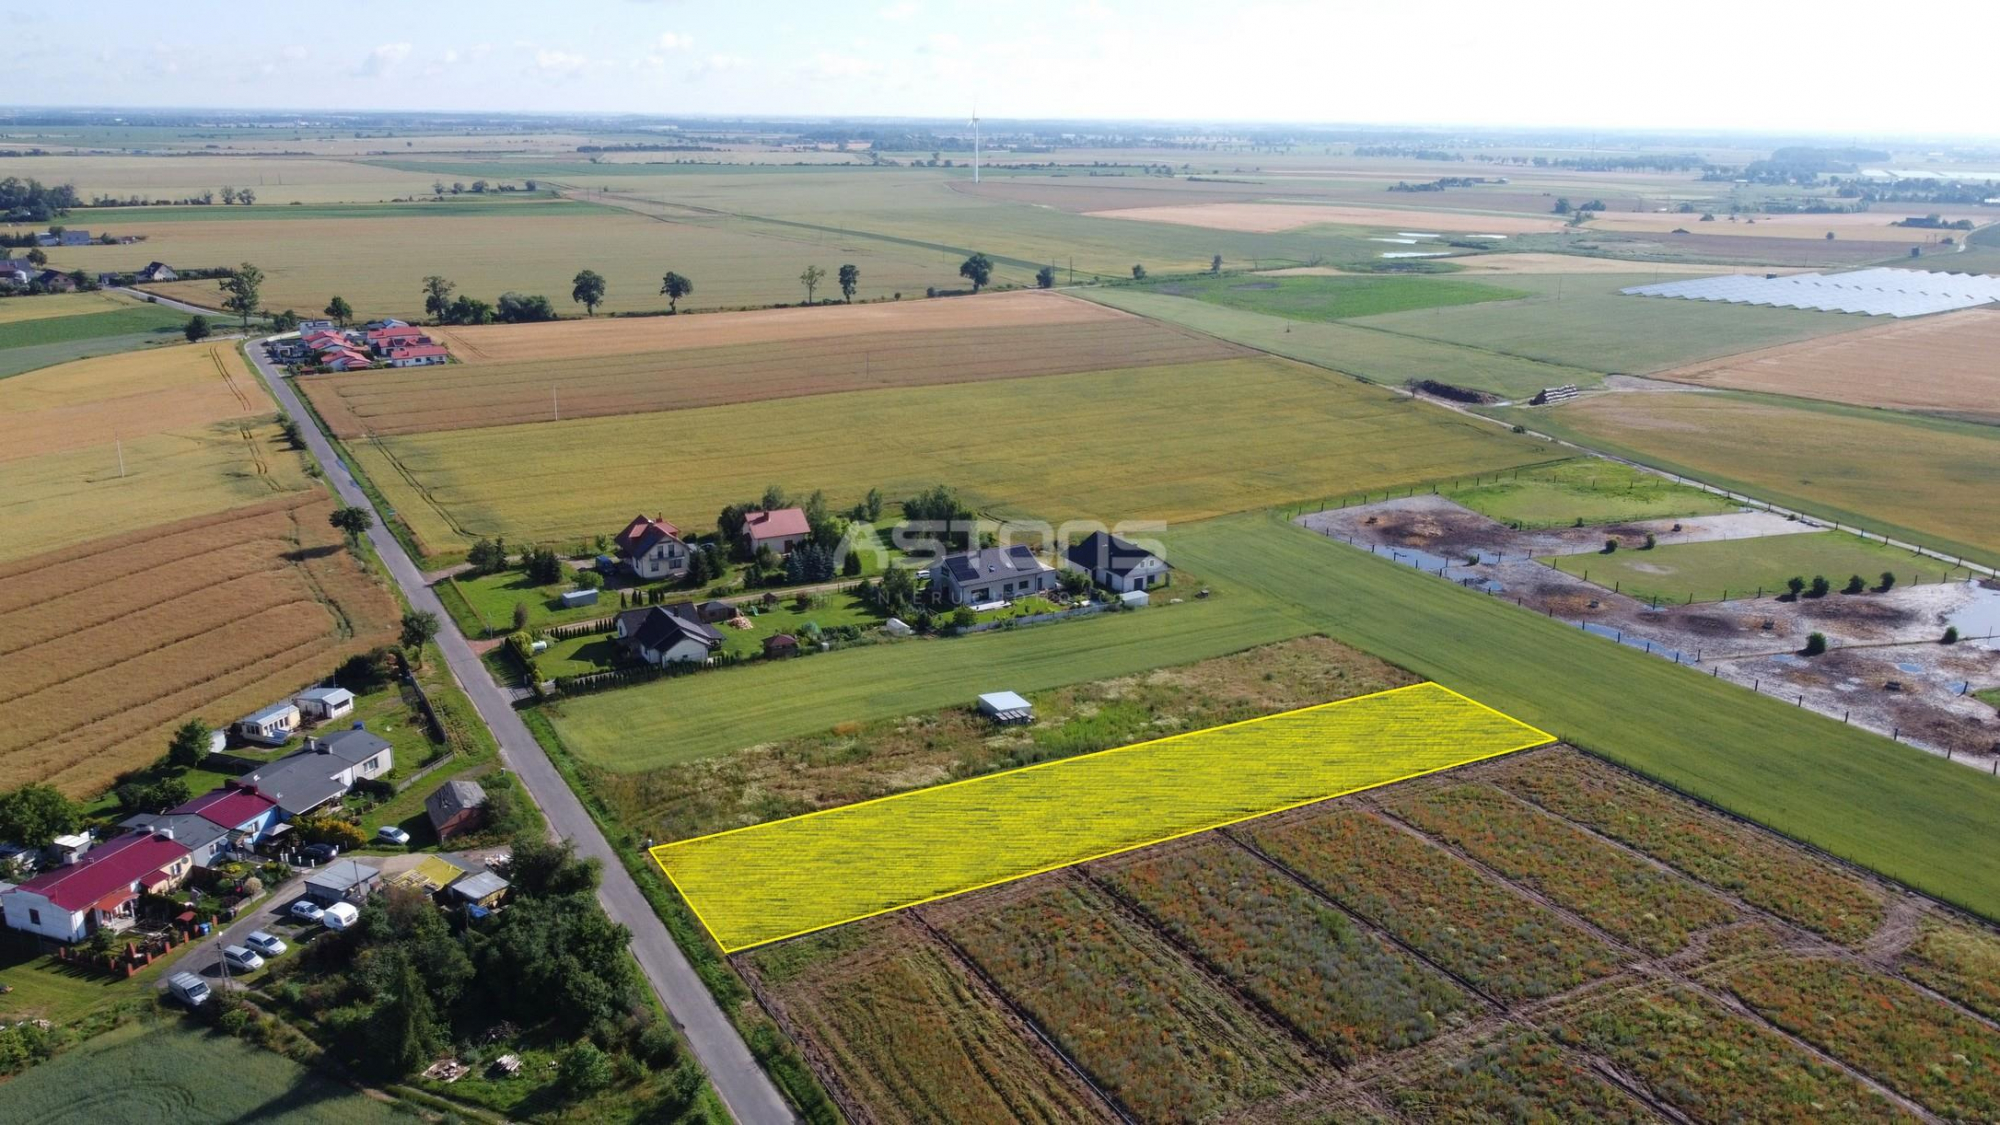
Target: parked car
339, 916
188, 989
390, 834
268, 945
306, 910
320, 853
241, 960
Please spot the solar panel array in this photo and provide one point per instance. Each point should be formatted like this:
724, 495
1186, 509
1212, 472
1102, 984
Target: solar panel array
1872, 292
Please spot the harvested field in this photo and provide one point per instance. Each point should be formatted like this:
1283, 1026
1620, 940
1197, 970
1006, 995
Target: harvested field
1743, 568
1872, 226
1948, 364
585, 339
1269, 218
49, 306
1202, 429
1521, 1072
107, 645
417, 400
1538, 262
1961, 961
93, 401
904, 1030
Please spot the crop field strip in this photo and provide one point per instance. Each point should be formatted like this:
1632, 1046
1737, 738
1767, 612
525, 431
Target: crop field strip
494, 394
1627, 1046
783, 878
106, 645
1202, 431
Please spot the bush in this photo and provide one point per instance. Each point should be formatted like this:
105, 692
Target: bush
589, 580
1820, 586
964, 618
583, 1070
1610, 545
1854, 585
1815, 644
1651, 542
1888, 581
1951, 634
330, 830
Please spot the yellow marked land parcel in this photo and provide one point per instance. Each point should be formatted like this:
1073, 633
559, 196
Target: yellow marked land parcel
772, 881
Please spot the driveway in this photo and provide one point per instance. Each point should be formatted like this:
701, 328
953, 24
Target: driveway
744, 1088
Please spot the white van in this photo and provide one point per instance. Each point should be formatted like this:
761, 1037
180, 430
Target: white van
340, 915
188, 989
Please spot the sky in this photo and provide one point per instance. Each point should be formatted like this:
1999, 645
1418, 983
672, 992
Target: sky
1828, 67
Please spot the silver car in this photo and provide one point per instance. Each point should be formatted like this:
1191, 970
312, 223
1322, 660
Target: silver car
265, 945
241, 960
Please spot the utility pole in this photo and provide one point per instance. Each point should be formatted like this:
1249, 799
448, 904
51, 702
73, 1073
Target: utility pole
120, 443
554, 404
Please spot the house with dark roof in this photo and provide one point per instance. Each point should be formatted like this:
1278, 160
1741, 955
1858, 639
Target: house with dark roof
660, 637
455, 808
55, 281
323, 771
204, 839
780, 645
247, 815
18, 271
713, 611
652, 548
1115, 564
155, 271
780, 529
99, 891
343, 880
992, 574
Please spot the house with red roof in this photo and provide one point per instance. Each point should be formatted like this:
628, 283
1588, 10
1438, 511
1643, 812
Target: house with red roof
652, 548
780, 529
99, 891
346, 360
386, 340
241, 810
417, 355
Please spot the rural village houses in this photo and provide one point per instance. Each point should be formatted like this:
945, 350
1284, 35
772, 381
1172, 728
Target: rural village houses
1115, 564
990, 574
780, 529
652, 548
660, 636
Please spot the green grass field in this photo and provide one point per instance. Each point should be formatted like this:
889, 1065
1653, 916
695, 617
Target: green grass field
167, 1071
691, 717
112, 322
1188, 441
1925, 480
1883, 805
1388, 358
1581, 320
1588, 489
1740, 568
1334, 298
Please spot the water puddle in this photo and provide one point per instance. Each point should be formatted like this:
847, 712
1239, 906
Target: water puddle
1907, 666
1978, 620
1400, 241
1412, 253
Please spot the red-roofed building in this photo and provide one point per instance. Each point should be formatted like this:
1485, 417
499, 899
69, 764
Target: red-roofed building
233, 808
385, 340
347, 360
417, 355
652, 548
100, 890
780, 529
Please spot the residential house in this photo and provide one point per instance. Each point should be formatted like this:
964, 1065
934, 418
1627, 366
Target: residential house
711, 612
1115, 564
102, 890
992, 574
18, 271
346, 360
780, 529
204, 839
324, 704
652, 548
323, 771
386, 340
272, 726
249, 817
308, 326
343, 880
455, 808
55, 281
74, 238
385, 322
419, 355
158, 271
780, 644
660, 637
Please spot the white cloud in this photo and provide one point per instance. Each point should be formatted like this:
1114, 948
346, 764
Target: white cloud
383, 58
292, 52
942, 43
829, 67
905, 9
673, 41
561, 64
719, 62
450, 56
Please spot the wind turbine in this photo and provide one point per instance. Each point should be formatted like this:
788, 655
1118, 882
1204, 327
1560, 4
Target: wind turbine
975, 142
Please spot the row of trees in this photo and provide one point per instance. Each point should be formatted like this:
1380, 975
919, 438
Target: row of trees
512, 308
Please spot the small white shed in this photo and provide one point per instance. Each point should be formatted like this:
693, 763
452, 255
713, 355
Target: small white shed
1006, 708
897, 627
1136, 598
574, 598
325, 704
271, 726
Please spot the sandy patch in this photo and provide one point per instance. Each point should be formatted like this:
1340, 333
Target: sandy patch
499, 343
1270, 218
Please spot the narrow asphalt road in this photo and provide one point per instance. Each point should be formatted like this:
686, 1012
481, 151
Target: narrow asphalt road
745, 1089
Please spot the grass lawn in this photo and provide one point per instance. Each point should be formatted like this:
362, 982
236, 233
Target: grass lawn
130, 321
1738, 568
1864, 798
690, 717
1588, 489
163, 1070
485, 602
1335, 298
1990, 695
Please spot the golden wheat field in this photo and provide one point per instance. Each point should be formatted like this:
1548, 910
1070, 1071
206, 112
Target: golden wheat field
107, 644
1270, 218
120, 397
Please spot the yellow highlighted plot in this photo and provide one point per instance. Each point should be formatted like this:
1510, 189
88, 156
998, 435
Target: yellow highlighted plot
789, 877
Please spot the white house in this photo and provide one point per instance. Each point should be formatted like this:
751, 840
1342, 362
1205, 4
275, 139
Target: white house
271, 726
652, 548
419, 355
99, 891
994, 574
323, 771
1116, 565
325, 704
660, 637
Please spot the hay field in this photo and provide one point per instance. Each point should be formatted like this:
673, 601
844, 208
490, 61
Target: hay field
508, 343
1867, 226
89, 402
1536, 262
1927, 480
475, 395
107, 644
1171, 443
1947, 364
275, 179
379, 263
1270, 218
52, 305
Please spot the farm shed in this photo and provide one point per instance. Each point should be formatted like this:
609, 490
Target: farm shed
343, 880
455, 808
270, 726
781, 644
482, 889
897, 627
324, 704
1006, 708
431, 875
1135, 598
574, 598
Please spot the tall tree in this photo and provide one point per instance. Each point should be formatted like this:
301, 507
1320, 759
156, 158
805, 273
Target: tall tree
189, 744
977, 269
420, 627
353, 522
35, 814
245, 196
1045, 278
587, 289
437, 296
228, 195
675, 287
1215, 265
196, 329
340, 311
242, 286
850, 280
810, 278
